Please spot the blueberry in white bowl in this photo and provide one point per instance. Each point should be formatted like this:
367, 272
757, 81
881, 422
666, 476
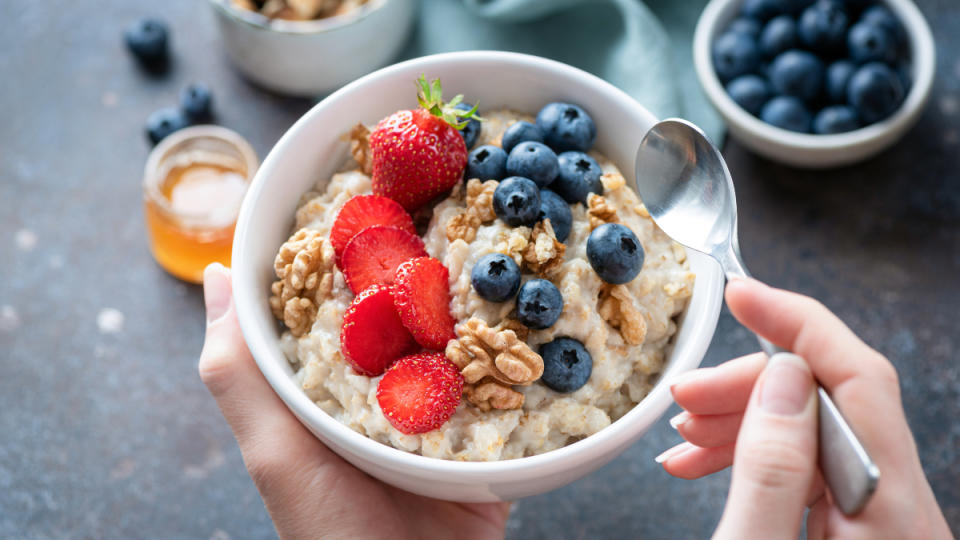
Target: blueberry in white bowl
579, 175
554, 208
615, 253
567, 364
539, 304
495, 277
566, 126
486, 162
516, 201
519, 132
533, 160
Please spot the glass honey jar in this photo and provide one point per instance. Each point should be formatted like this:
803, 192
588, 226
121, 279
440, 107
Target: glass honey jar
193, 185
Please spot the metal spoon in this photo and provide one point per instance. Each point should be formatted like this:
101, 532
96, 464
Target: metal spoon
686, 187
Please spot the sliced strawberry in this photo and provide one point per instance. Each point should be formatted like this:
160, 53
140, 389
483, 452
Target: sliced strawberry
373, 255
363, 211
372, 336
422, 296
419, 393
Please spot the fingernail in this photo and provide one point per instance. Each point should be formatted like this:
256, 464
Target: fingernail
216, 291
673, 452
787, 385
686, 377
679, 419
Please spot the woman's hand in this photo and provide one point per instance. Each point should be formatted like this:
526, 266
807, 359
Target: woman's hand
761, 417
309, 491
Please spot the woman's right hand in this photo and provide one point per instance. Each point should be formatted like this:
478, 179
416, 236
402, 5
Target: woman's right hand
767, 430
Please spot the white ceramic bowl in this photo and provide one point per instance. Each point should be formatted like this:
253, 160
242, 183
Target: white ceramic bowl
815, 151
308, 58
313, 149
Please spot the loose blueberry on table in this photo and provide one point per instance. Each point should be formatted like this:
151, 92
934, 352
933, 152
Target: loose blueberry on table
148, 40
834, 65
196, 101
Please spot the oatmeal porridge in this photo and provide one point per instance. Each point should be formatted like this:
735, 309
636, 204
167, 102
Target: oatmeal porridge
507, 411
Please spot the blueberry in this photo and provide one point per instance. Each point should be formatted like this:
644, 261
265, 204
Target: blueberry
533, 160
553, 206
835, 119
823, 27
566, 364
838, 75
875, 91
786, 112
147, 40
881, 15
778, 35
746, 25
539, 304
579, 176
495, 277
566, 127
615, 253
517, 201
797, 73
470, 131
196, 101
868, 42
735, 54
750, 92
164, 122
486, 162
764, 9
519, 132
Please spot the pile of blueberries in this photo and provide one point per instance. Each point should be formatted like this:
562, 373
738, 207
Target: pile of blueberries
148, 41
815, 66
542, 169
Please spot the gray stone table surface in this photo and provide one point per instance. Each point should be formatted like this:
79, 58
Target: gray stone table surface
105, 428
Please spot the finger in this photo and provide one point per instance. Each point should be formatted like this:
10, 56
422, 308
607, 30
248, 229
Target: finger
775, 458
722, 389
804, 326
265, 429
690, 462
708, 431
817, 519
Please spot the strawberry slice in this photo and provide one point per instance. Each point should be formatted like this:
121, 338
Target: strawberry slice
372, 336
373, 255
419, 393
363, 211
422, 297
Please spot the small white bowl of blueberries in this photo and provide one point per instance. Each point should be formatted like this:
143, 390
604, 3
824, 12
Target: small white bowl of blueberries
815, 83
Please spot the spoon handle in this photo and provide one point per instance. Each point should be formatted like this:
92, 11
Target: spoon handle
849, 471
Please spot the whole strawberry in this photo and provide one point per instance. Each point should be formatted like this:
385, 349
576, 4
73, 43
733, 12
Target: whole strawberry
418, 154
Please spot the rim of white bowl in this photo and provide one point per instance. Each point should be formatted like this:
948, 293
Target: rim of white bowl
922, 58
283, 26
618, 432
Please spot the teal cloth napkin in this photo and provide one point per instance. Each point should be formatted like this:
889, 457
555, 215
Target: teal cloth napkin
644, 48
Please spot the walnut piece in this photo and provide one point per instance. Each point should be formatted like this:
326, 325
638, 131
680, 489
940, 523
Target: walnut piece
600, 211
479, 210
617, 306
543, 254
491, 394
304, 266
360, 147
493, 356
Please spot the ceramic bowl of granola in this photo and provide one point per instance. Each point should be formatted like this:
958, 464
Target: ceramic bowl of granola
544, 337
310, 47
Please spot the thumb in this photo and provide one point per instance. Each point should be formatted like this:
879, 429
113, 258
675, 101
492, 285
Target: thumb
774, 463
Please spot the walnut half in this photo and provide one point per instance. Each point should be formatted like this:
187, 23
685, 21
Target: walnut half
600, 211
493, 356
304, 266
543, 254
617, 307
479, 211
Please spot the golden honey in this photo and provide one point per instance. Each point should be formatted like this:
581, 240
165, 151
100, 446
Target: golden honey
194, 184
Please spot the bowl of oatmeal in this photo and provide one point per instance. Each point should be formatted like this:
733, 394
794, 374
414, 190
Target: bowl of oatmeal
310, 47
511, 434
